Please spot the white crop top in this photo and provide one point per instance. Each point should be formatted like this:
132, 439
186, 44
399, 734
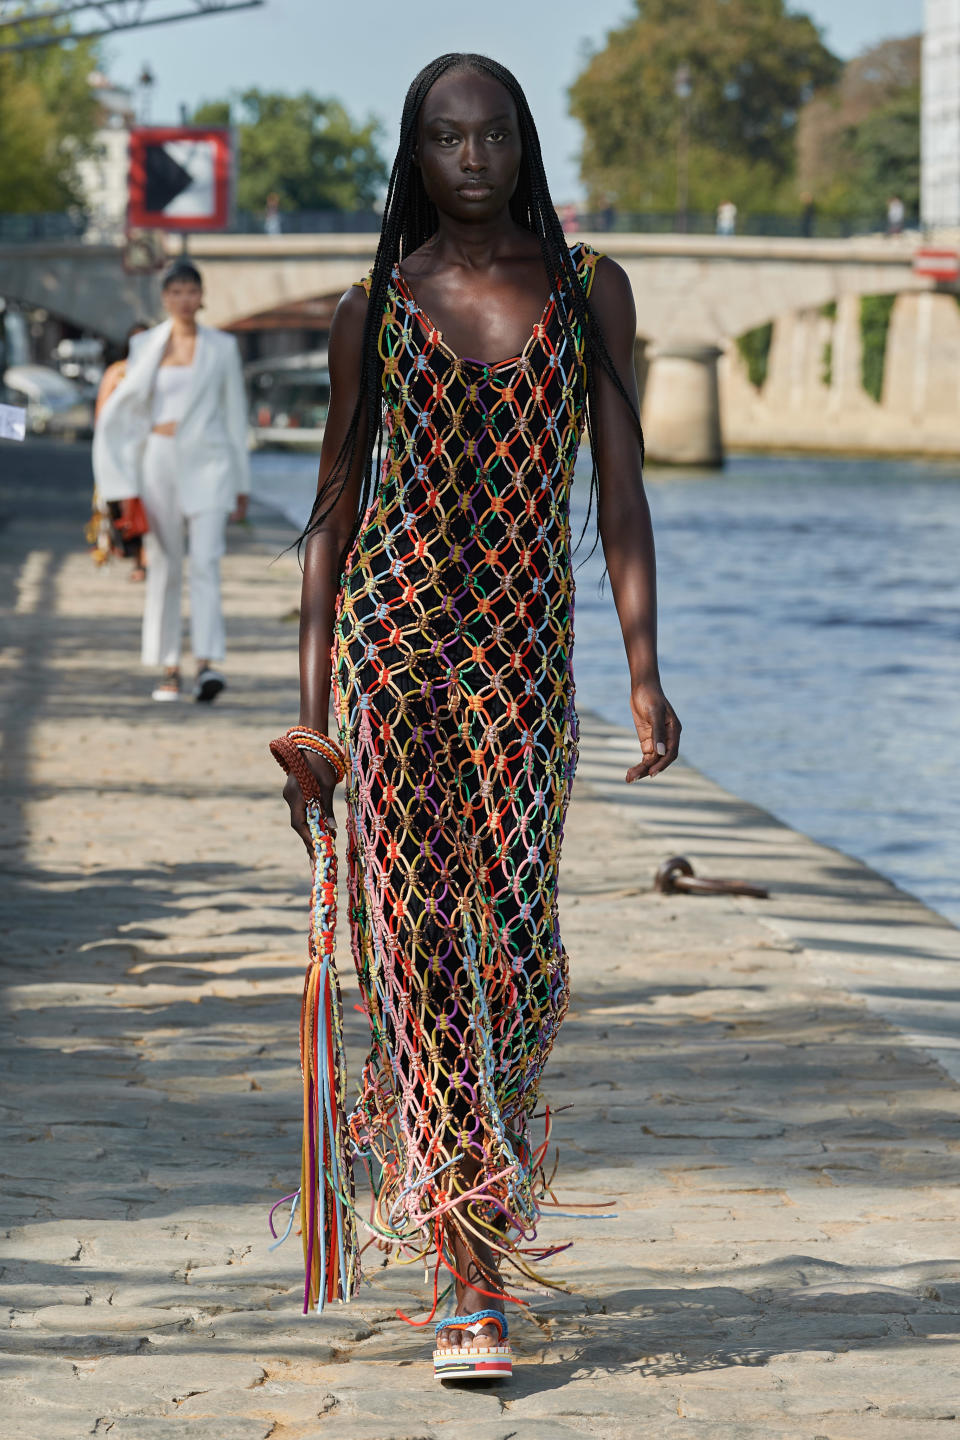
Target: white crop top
170, 392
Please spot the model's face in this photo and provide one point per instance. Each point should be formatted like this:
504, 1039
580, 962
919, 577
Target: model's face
469, 148
182, 299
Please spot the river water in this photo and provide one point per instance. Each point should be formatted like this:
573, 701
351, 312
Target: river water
809, 640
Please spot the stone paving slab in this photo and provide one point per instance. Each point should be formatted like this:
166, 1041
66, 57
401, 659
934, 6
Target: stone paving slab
764, 1091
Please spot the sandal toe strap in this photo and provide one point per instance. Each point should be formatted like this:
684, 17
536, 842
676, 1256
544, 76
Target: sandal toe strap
474, 1323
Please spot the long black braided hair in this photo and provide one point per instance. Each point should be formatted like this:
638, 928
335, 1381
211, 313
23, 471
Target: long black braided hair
409, 220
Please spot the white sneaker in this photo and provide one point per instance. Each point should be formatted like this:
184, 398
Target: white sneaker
167, 690
209, 684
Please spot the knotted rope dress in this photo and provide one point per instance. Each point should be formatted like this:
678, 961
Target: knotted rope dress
454, 694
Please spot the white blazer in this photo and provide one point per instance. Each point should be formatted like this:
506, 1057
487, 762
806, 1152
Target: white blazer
213, 465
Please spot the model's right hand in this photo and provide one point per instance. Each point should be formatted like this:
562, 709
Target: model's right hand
658, 730
327, 780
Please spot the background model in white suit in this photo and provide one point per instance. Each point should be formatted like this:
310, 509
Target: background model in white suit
213, 465
191, 479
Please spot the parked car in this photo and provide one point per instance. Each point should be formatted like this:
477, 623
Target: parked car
82, 361
54, 404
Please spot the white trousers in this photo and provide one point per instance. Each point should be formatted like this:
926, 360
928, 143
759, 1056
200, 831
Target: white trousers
164, 544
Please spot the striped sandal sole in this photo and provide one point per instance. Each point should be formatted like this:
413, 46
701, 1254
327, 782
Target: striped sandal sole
474, 1362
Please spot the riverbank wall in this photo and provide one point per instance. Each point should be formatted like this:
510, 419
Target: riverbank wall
812, 397
763, 1094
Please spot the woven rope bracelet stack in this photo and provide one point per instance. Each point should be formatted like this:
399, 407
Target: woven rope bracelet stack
319, 744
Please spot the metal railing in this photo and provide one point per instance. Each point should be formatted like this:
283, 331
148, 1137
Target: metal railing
704, 222
647, 222
309, 222
76, 225
15, 229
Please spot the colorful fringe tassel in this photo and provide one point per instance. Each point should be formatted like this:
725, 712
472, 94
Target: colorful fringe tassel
326, 1194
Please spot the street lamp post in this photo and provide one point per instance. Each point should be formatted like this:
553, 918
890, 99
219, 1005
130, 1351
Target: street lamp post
145, 83
683, 90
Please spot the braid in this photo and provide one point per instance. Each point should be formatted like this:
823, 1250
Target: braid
409, 220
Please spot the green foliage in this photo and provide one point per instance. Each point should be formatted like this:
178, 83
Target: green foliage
48, 115
754, 347
827, 311
212, 112
304, 148
886, 155
875, 312
826, 364
752, 64
858, 141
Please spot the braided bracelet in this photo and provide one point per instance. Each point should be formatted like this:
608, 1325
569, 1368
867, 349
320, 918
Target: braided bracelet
314, 740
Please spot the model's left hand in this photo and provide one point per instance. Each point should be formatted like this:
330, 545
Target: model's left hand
240, 513
658, 730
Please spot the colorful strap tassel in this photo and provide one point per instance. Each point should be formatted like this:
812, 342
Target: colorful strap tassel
327, 1220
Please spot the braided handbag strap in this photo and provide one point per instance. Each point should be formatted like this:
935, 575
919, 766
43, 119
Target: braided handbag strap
326, 1194
290, 759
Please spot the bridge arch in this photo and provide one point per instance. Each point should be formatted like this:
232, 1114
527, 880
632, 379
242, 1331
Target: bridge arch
689, 288
694, 293
82, 284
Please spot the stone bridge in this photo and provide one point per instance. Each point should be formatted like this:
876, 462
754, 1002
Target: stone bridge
694, 294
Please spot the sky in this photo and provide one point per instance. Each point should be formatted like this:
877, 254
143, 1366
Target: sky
367, 53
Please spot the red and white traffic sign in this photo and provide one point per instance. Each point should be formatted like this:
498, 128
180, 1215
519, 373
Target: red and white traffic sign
937, 264
180, 177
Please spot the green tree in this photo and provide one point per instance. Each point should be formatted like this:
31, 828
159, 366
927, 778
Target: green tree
886, 152
305, 149
858, 142
48, 115
751, 63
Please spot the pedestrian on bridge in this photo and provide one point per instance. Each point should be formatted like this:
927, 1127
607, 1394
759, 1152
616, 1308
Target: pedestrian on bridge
174, 433
726, 218
438, 606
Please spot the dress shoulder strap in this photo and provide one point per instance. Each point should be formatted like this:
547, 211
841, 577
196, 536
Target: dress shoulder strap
585, 259
365, 282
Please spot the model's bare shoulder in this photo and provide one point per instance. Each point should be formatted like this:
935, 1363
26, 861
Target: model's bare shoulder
611, 299
346, 330
350, 313
352, 305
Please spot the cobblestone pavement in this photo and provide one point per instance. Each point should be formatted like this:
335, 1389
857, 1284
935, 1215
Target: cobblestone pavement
763, 1089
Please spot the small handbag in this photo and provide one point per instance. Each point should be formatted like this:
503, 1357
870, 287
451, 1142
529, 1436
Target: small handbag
132, 520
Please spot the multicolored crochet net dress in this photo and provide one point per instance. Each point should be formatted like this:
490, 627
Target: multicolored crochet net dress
454, 693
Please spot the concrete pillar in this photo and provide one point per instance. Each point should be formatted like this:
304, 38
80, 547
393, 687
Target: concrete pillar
847, 395
681, 410
921, 382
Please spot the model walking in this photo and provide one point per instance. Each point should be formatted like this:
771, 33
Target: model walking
438, 606
174, 432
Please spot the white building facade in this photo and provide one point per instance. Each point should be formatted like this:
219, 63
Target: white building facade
104, 175
940, 132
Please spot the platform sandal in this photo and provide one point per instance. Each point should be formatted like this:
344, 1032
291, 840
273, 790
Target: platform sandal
474, 1362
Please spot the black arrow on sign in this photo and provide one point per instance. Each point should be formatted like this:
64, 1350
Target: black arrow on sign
166, 179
